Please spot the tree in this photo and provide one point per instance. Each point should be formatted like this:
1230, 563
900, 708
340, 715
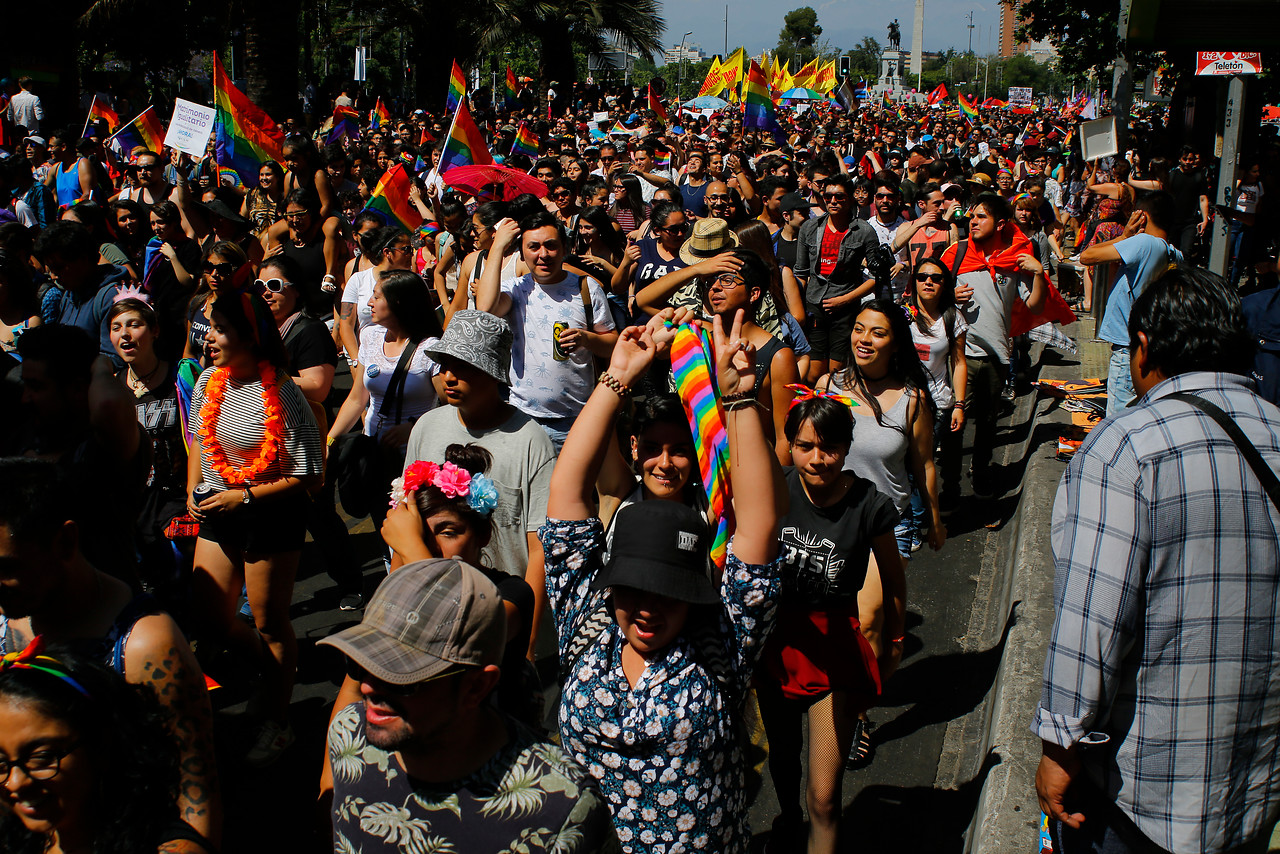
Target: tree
1083, 31
864, 60
799, 36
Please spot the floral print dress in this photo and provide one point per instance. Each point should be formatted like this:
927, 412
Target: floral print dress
668, 752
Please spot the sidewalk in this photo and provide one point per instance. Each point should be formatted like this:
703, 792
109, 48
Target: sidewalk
994, 743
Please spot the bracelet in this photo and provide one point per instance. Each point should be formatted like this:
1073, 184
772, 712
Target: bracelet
610, 382
896, 641
328, 443
962, 405
749, 394
735, 405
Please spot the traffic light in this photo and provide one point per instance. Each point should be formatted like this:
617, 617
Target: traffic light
846, 65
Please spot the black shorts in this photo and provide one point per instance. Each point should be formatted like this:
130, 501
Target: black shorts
266, 527
830, 333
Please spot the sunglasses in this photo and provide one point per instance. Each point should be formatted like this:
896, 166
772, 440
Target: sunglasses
275, 286
835, 197
359, 674
223, 269
560, 195
886, 195
929, 277
295, 214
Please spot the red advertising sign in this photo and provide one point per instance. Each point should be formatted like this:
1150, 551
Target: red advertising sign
1227, 63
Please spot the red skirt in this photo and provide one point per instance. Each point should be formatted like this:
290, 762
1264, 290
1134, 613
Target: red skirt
811, 653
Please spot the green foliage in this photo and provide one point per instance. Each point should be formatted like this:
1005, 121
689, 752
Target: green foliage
1083, 31
864, 60
798, 39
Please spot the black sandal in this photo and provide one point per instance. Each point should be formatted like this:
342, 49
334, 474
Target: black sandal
863, 748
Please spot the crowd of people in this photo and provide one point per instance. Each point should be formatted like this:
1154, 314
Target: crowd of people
557, 650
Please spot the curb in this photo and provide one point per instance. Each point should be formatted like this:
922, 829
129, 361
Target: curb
993, 747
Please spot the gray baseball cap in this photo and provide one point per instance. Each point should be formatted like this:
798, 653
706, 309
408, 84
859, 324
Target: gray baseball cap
480, 339
426, 617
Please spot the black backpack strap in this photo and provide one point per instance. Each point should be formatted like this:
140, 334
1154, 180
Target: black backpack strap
962, 248
1270, 483
395, 388
586, 634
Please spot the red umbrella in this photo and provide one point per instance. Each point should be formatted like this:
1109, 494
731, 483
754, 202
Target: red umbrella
493, 182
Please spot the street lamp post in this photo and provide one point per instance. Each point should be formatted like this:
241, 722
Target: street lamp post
680, 84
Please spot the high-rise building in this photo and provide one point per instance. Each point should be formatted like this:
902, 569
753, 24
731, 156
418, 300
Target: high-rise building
1008, 23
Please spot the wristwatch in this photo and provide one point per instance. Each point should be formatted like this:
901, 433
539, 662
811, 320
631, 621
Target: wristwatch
248, 496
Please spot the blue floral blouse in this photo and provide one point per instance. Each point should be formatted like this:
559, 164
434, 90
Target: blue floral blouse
667, 753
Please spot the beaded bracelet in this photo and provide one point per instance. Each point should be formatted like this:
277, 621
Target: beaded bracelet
749, 394
608, 381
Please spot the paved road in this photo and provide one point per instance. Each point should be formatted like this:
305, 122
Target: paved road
919, 793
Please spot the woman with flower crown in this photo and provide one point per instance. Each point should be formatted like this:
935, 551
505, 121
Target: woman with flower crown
446, 510
259, 449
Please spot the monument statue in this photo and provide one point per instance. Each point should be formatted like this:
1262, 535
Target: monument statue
895, 34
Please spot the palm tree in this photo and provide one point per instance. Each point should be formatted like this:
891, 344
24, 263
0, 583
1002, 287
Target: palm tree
595, 26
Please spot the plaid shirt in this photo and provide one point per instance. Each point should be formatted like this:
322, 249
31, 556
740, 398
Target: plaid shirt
1164, 664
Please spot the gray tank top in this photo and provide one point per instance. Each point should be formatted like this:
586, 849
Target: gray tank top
879, 451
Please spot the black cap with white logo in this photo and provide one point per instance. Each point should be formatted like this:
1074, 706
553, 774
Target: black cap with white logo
660, 547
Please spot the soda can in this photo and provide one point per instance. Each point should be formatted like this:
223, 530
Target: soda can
201, 492
558, 352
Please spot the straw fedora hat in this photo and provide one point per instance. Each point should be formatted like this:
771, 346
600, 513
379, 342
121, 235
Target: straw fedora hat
710, 236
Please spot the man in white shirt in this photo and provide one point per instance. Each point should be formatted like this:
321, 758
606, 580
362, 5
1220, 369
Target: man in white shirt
886, 220
645, 167
25, 109
559, 321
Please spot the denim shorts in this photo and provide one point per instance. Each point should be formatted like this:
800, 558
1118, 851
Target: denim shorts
1120, 391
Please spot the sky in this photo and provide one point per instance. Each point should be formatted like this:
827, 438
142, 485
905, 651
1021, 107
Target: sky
756, 23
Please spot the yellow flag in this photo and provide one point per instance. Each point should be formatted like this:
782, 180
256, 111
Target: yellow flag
711, 86
731, 73
804, 77
825, 80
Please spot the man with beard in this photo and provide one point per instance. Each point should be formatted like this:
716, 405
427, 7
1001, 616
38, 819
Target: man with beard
424, 748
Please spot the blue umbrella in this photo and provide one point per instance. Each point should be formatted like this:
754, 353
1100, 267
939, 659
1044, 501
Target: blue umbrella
707, 102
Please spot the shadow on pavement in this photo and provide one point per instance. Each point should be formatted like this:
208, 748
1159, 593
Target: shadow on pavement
942, 687
913, 818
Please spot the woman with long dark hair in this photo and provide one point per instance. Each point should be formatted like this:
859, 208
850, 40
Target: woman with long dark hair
263, 205
392, 383
388, 248
259, 451
86, 759
226, 271
483, 222
628, 208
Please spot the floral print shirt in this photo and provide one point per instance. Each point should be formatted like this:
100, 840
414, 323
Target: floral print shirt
529, 797
668, 752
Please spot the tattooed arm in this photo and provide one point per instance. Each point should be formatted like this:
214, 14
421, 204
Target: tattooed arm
158, 655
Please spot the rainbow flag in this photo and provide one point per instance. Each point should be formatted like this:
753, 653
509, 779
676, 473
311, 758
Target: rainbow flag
379, 115
457, 88
662, 159
145, 131
245, 137
346, 125
390, 199
509, 99
102, 111
757, 107
967, 107
691, 366
465, 145
526, 141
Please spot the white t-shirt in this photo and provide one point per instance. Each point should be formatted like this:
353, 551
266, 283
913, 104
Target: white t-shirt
647, 190
419, 392
1247, 200
542, 384
886, 234
933, 349
357, 292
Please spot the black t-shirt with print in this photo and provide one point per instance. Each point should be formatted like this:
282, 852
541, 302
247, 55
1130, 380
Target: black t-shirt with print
825, 549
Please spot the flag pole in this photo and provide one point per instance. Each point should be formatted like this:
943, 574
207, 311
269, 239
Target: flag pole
92, 104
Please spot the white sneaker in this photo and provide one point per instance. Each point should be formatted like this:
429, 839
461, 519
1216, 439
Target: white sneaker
273, 739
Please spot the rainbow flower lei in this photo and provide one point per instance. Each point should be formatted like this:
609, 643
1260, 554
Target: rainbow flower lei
480, 492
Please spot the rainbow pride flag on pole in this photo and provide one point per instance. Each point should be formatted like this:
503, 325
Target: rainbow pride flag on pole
244, 136
144, 131
967, 108
457, 88
379, 116
691, 366
757, 106
526, 141
509, 99
655, 104
465, 144
346, 125
390, 199
101, 111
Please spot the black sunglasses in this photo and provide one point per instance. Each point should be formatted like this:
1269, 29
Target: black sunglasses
223, 269
929, 277
359, 674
